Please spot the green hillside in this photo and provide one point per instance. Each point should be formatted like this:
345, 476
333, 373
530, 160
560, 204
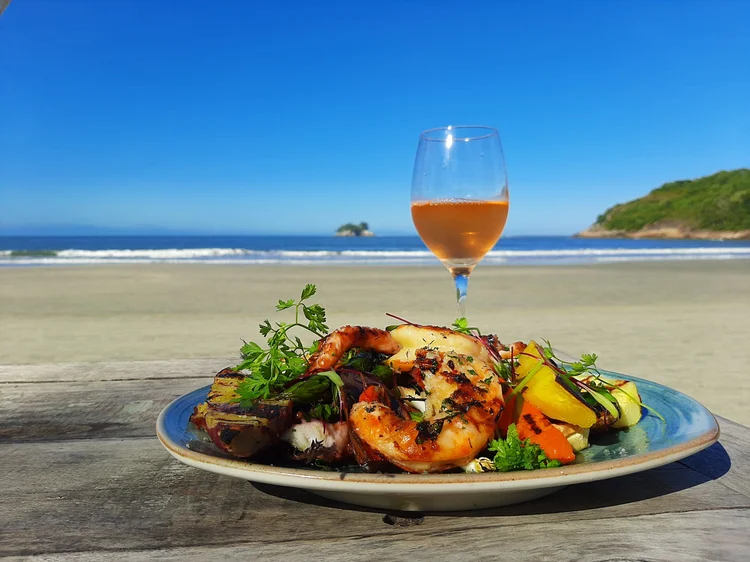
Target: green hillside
717, 202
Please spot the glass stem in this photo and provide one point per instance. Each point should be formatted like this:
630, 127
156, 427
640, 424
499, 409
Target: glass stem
461, 278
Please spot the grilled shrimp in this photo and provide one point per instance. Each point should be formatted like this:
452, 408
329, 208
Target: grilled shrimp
463, 404
337, 343
501, 350
512, 351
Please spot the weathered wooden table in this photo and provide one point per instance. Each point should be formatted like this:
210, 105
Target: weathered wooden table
84, 478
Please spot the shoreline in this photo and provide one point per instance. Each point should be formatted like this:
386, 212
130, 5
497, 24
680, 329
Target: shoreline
674, 322
370, 265
333, 251
665, 233
496, 258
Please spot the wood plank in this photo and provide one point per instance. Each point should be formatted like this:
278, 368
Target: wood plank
691, 537
727, 461
128, 408
87, 410
129, 494
100, 492
113, 370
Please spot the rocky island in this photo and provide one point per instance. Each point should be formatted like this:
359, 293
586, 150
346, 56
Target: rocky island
350, 229
715, 207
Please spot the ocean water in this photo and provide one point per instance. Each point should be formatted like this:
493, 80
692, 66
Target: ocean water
330, 250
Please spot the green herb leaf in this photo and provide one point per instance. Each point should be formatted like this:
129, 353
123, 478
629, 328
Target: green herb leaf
265, 328
308, 291
524, 381
513, 454
597, 394
274, 367
604, 402
316, 315
250, 351
333, 376
589, 359
359, 361
383, 372
416, 416
283, 305
461, 325
308, 391
324, 412
504, 370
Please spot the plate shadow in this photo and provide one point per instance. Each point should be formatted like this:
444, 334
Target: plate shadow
710, 464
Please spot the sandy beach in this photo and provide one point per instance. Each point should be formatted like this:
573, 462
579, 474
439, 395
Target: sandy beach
684, 324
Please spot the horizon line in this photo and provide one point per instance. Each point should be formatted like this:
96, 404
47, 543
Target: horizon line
166, 234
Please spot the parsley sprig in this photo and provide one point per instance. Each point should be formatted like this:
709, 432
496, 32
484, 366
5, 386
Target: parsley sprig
461, 325
283, 359
513, 454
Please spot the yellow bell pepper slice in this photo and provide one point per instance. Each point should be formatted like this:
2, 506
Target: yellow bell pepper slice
548, 394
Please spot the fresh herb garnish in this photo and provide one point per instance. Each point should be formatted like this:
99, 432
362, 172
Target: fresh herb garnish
368, 362
524, 381
273, 367
504, 370
513, 454
307, 391
383, 372
598, 389
461, 325
324, 412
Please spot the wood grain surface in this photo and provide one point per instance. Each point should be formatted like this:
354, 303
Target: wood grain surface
84, 478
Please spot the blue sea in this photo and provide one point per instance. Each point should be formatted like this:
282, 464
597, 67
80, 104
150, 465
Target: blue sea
330, 250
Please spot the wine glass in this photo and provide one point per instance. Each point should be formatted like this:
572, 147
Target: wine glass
459, 197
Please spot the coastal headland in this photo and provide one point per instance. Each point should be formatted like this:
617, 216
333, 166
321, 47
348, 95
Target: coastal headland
715, 207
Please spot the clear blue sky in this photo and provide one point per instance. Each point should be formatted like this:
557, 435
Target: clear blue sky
284, 117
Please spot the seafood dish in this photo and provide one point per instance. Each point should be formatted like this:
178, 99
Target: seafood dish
408, 398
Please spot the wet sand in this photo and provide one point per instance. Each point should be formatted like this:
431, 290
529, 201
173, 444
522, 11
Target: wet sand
684, 324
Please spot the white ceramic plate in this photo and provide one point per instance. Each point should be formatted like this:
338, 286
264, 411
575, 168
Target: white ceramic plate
689, 428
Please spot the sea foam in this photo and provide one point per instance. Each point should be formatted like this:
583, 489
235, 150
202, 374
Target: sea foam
405, 257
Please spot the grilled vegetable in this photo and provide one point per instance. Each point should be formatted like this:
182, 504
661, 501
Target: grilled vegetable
578, 437
511, 409
535, 427
235, 429
541, 386
626, 394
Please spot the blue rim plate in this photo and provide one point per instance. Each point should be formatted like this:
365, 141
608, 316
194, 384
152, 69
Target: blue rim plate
688, 428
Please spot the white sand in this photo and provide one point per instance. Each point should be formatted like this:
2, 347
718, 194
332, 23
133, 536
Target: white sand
684, 324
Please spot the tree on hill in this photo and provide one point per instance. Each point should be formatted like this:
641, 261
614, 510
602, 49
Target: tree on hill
356, 229
719, 202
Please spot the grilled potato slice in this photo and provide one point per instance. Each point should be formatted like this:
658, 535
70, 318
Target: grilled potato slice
626, 394
240, 431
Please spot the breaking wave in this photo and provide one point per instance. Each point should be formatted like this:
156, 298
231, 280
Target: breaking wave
405, 257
